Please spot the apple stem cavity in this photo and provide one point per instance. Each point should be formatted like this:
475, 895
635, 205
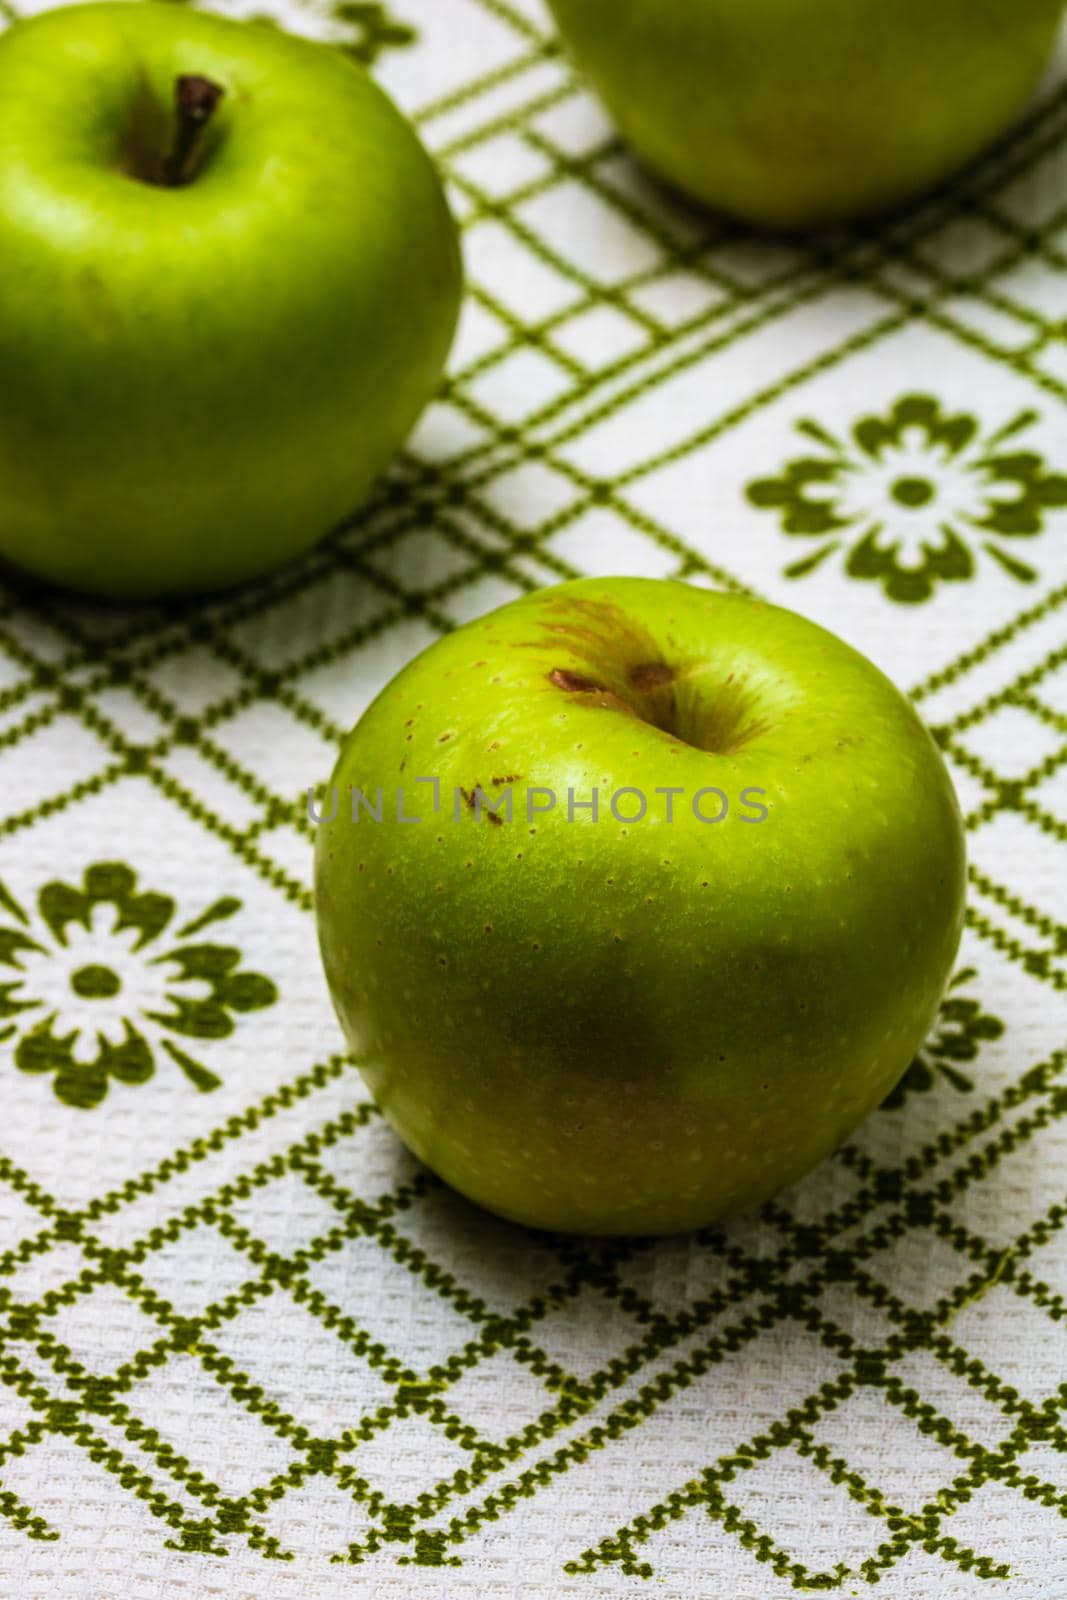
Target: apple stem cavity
195, 100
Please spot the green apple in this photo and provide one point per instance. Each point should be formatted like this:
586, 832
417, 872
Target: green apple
797, 113
228, 284
644, 1019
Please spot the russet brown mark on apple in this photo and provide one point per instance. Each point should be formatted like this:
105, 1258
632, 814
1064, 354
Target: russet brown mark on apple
725, 721
574, 682
470, 798
574, 630
577, 683
651, 675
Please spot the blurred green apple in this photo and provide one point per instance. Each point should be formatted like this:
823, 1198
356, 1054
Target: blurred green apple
797, 113
228, 284
640, 1019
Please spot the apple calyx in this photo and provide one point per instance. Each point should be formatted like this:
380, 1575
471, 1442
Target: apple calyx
195, 99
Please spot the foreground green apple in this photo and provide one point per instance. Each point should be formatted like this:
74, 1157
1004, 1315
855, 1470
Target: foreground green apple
795, 113
228, 283
615, 1025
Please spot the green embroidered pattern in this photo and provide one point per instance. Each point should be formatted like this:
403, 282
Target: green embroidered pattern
363, 29
910, 499
100, 985
373, 28
961, 1029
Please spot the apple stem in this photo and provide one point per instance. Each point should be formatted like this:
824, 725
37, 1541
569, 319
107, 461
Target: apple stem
195, 99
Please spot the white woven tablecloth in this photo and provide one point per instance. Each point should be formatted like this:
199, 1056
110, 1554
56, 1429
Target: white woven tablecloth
247, 1347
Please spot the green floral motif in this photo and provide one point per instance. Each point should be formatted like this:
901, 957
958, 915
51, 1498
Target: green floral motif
101, 986
962, 1027
365, 31
911, 498
373, 30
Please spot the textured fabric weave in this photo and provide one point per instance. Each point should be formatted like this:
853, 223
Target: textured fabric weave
247, 1346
